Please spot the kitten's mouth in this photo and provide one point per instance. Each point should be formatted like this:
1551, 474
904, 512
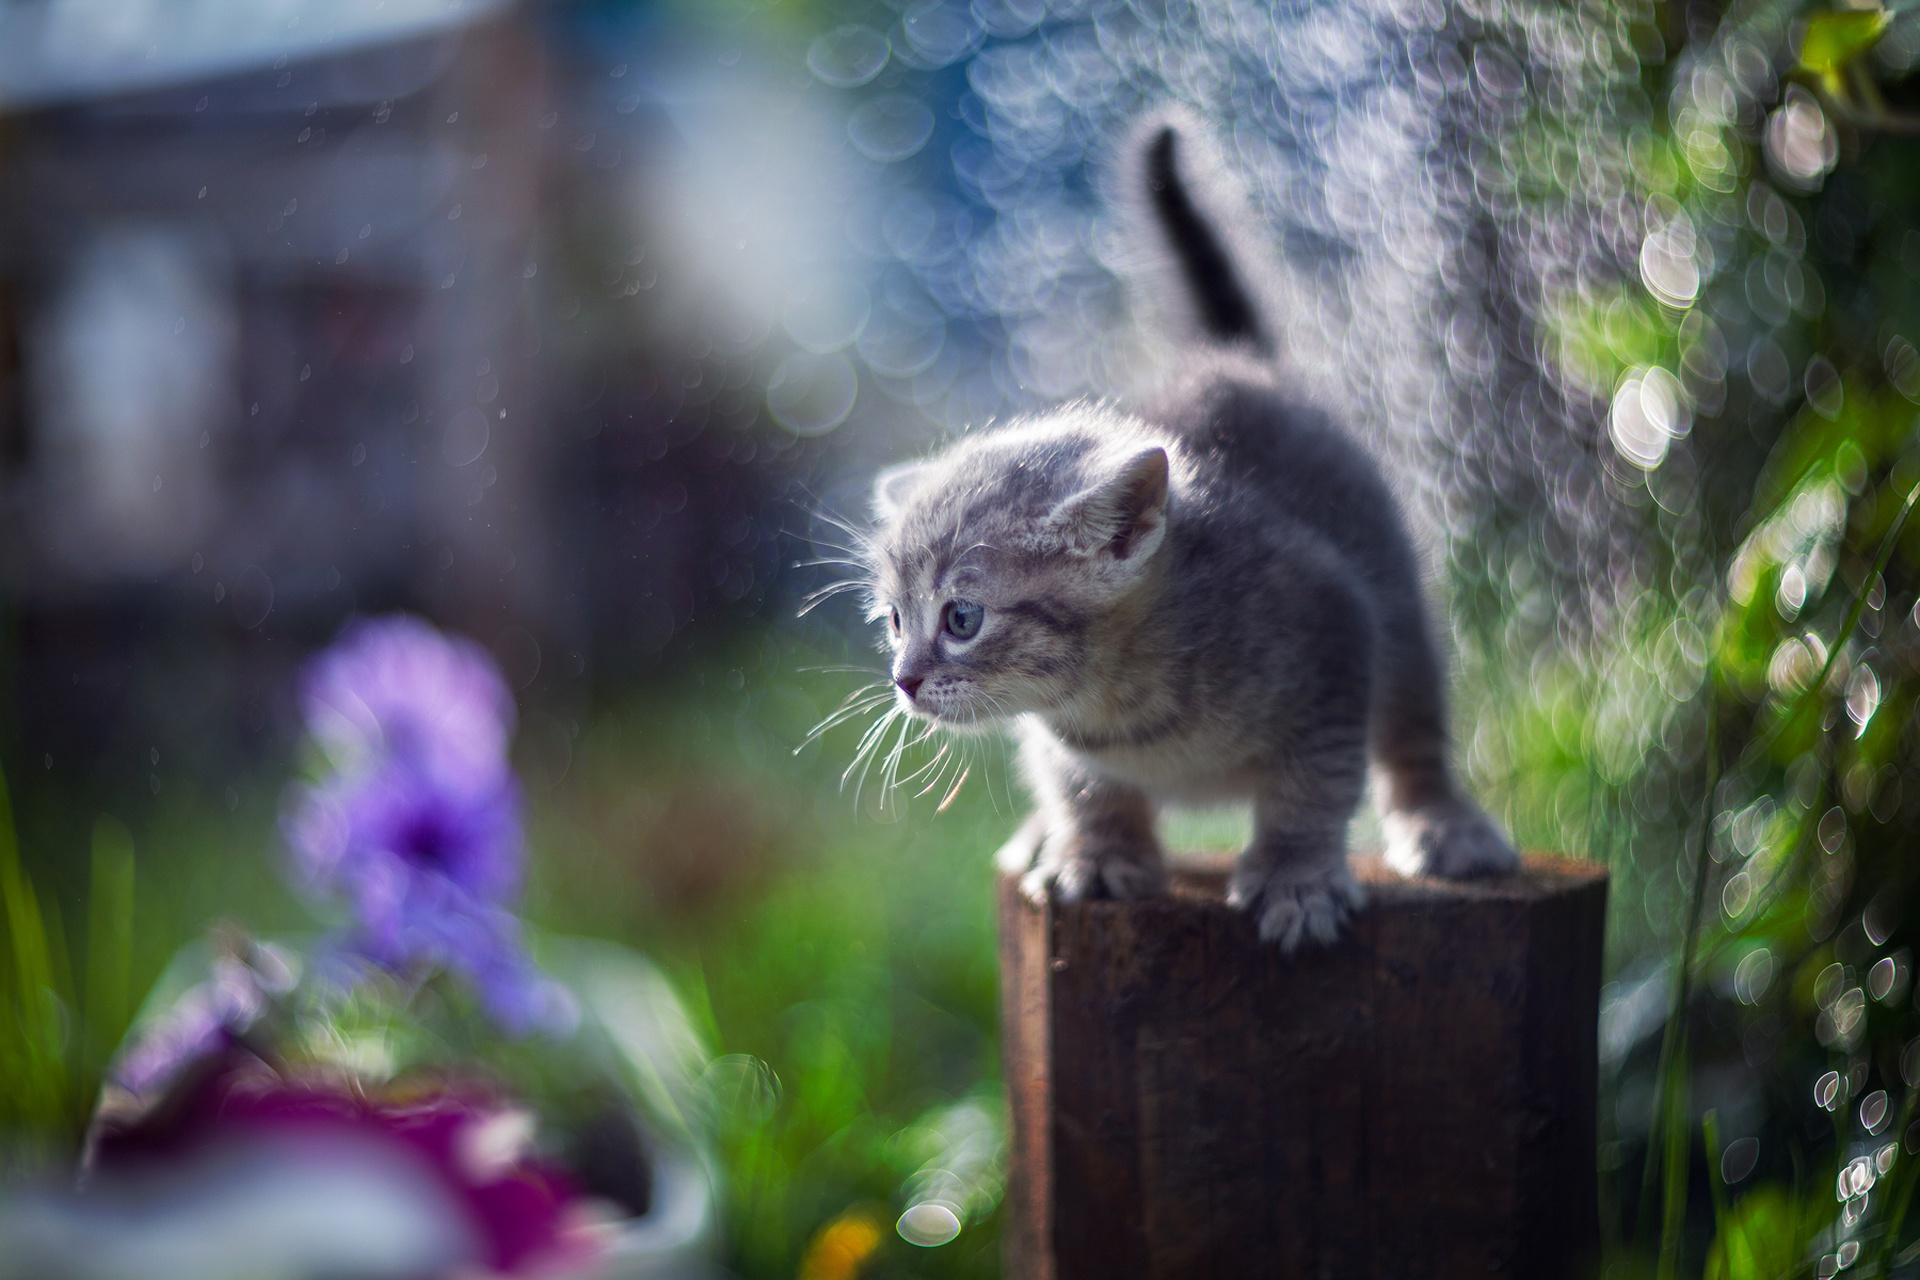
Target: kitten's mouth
964, 717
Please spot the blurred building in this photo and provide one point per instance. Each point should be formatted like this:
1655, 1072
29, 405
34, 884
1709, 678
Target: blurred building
308, 309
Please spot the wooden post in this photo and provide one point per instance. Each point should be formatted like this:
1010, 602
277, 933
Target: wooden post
1416, 1101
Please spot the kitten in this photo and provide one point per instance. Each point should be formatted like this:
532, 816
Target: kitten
1209, 598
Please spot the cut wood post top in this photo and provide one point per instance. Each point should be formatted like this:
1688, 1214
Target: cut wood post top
1203, 880
1414, 1100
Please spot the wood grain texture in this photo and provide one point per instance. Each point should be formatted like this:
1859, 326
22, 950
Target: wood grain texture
1416, 1101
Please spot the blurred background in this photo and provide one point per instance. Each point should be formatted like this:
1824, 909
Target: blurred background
579, 327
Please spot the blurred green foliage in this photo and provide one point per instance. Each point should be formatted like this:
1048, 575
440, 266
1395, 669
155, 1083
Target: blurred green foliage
1740, 745
841, 961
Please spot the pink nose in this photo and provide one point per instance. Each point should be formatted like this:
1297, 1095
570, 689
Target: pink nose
910, 685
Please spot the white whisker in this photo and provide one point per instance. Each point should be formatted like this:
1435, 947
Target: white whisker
958, 783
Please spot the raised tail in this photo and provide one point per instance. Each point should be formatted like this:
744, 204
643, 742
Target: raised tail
1198, 264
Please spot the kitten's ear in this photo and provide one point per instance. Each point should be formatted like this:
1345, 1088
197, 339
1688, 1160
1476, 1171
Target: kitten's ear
1124, 515
894, 486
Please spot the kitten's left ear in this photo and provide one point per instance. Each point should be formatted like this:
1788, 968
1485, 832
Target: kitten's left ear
1124, 515
894, 486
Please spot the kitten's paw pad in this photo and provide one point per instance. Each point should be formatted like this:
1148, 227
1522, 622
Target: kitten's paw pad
1291, 909
1453, 841
1085, 876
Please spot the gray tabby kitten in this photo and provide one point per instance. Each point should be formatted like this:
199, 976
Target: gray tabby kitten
1209, 598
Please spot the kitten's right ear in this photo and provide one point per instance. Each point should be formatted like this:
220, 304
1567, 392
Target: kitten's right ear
893, 488
1124, 515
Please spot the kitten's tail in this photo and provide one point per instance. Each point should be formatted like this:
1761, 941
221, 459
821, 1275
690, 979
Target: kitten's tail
1199, 267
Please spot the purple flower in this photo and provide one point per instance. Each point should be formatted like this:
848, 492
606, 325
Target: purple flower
419, 829
403, 847
396, 689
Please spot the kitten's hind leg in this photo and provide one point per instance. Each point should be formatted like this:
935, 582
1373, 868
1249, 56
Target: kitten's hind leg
1452, 839
1092, 837
1431, 828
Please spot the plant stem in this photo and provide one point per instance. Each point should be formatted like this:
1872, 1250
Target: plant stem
1672, 1039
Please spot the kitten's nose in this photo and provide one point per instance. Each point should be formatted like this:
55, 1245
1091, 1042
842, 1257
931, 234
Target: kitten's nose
910, 685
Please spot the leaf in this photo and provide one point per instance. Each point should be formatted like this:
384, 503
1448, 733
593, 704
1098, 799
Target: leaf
1832, 40
1761, 1238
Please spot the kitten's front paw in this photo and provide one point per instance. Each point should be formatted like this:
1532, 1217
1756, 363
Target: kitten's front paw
1292, 907
1453, 841
1022, 850
1073, 870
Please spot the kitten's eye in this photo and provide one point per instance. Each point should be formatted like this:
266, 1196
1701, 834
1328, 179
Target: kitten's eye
963, 619
896, 622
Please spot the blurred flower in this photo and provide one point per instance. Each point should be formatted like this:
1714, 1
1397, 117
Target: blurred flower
842, 1247
208, 1017
469, 1153
406, 851
419, 828
396, 689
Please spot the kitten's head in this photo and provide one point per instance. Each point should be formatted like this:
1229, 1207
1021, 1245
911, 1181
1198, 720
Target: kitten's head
999, 567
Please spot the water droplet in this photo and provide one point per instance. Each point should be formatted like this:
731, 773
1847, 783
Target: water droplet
847, 57
942, 34
519, 656
827, 315
252, 597
1873, 1111
811, 394
1737, 1161
1753, 976
890, 128
465, 438
744, 1090
929, 1225
899, 346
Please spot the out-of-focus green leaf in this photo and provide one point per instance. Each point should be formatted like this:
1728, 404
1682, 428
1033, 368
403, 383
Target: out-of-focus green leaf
1833, 40
1760, 1239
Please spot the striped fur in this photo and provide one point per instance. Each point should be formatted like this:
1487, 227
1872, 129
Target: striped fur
1209, 596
